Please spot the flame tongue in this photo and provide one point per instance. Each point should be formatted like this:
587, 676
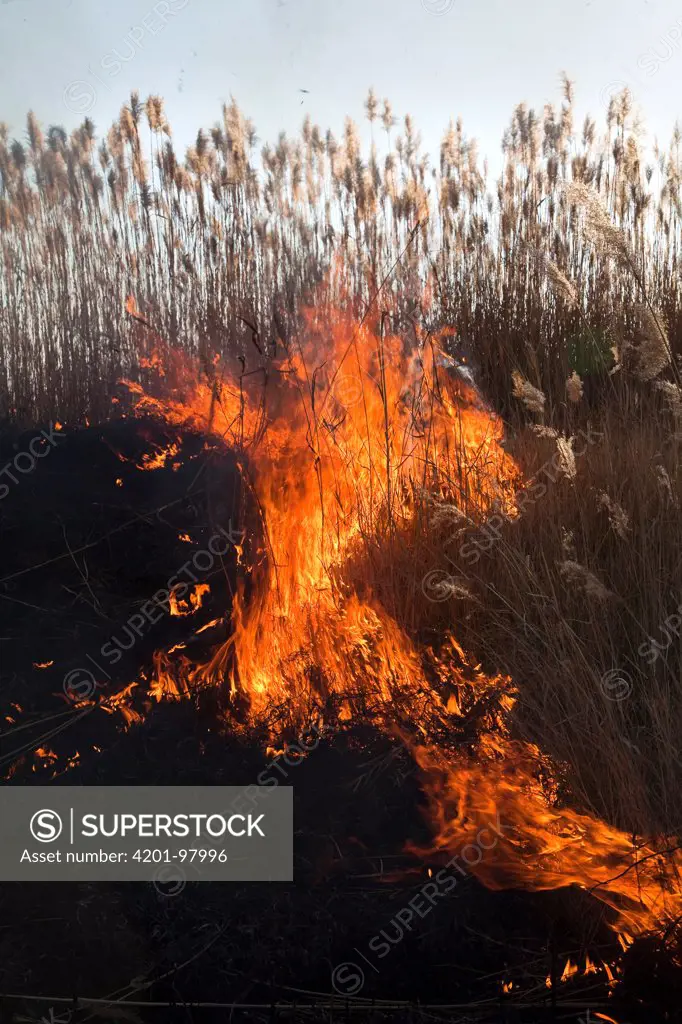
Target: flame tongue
536, 845
345, 438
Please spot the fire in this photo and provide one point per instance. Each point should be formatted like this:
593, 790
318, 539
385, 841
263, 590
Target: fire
196, 598
344, 448
46, 757
327, 475
590, 968
544, 846
42, 664
159, 458
208, 625
572, 970
121, 703
569, 970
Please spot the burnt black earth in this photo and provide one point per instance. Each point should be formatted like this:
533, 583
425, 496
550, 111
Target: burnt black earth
87, 539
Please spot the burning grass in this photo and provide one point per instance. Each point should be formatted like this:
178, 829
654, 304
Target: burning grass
482, 592
355, 476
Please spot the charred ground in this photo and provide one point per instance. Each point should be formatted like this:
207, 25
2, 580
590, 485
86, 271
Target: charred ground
87, 539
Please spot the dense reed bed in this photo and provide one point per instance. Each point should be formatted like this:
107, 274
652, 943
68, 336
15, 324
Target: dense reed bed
231, 237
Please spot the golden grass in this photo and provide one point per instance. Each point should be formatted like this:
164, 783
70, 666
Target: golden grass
573, 252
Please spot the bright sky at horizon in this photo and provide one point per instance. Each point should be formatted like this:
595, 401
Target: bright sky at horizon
434, 59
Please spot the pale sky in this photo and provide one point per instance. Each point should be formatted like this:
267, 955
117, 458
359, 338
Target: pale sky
434, 59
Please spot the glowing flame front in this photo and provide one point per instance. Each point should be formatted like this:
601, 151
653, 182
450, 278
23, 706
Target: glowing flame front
341, 447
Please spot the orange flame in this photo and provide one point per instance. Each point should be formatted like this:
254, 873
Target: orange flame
569, 970
159, 458
46, 757
196, 598
350, 437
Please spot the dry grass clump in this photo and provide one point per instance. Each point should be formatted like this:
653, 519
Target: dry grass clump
532, 398
650, 349
618, 517
574, 388
577, 592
